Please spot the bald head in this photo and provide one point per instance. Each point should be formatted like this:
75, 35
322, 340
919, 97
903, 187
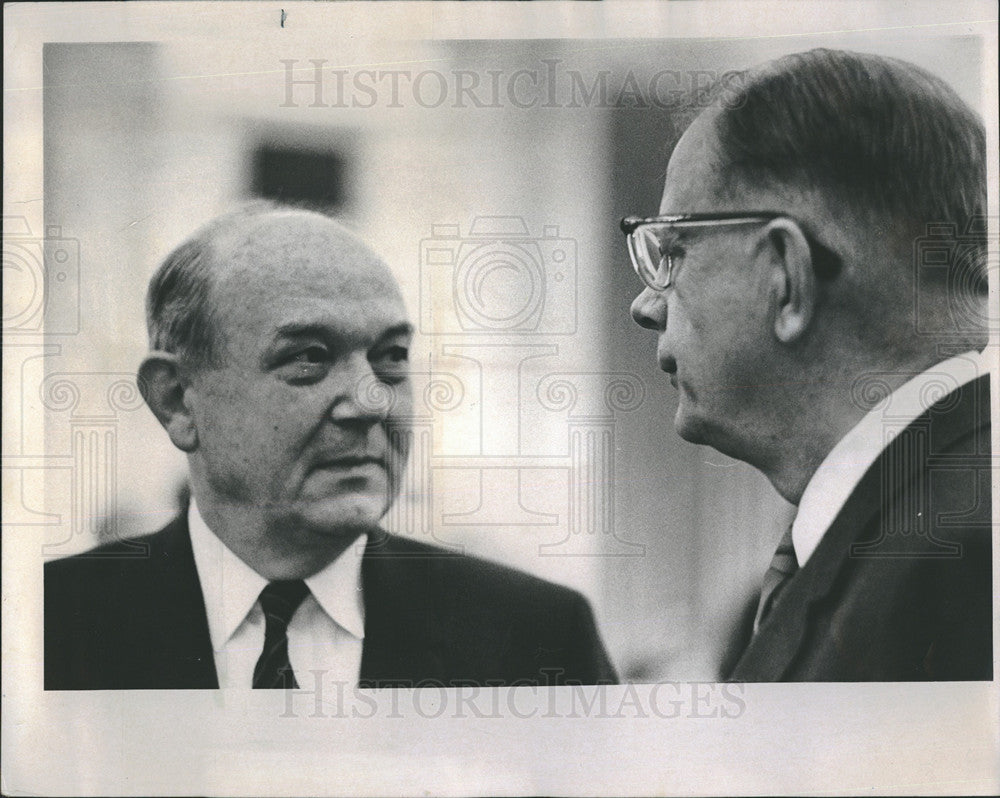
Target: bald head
258, 242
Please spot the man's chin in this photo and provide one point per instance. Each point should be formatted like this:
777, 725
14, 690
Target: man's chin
687, 426
696, 429
344, 517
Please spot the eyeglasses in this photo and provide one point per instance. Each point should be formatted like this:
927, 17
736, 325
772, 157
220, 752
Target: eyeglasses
653, 243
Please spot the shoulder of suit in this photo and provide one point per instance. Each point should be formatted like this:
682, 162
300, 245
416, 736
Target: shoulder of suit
474, 573
118, 554
468, 574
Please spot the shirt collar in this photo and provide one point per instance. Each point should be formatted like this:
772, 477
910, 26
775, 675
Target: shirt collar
843, 468
337, 589
230, 587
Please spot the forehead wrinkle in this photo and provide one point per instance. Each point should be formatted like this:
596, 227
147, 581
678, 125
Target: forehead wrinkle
297, 329
333, 318
339, 333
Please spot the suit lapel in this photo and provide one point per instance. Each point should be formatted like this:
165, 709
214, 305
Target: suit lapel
774, 648
776, 644
403, 636
179, 649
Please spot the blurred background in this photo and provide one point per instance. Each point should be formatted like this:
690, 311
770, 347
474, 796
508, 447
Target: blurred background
491, 176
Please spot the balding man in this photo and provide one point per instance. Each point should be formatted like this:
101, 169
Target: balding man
267, 329
817, 282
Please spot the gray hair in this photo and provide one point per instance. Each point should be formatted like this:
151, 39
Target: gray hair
179, 312
878, 133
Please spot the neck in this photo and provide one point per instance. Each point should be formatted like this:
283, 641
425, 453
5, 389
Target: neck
276, 548
806, 427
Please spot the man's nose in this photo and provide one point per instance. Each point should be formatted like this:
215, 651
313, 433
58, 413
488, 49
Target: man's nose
361, 397
649, 310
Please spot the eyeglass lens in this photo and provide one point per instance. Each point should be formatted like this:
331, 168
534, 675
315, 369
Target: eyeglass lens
652, 258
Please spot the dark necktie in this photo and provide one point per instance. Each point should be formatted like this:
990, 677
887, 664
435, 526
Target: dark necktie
783, 567
279, 601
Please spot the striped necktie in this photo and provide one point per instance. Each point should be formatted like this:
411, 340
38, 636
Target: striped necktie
783, 567
279, 601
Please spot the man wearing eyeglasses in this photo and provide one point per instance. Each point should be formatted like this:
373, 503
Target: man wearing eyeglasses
817, 282
279, 365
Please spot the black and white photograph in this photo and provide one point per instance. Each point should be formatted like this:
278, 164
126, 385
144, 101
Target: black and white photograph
500, 398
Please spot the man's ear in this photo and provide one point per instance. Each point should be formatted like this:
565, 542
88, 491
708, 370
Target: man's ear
793, 289
163, 385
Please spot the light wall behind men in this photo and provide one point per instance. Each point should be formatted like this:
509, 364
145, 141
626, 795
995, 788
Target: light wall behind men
130, 170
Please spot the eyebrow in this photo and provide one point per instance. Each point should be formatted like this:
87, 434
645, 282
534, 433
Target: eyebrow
403, 328
317, 330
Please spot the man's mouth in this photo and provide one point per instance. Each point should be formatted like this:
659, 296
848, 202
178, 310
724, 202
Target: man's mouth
669, 365
350, 462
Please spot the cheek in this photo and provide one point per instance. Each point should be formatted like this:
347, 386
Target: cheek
712, 339
688, 332
399, 427
254, 421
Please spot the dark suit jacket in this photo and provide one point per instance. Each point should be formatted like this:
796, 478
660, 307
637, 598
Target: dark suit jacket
130, 615
900, 586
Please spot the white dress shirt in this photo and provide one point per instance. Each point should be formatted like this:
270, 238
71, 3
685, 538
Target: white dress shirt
843, 468
325, 634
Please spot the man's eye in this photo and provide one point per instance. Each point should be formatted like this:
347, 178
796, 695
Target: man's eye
671, 251
398, 354
306, 365
392, 363
314, 354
